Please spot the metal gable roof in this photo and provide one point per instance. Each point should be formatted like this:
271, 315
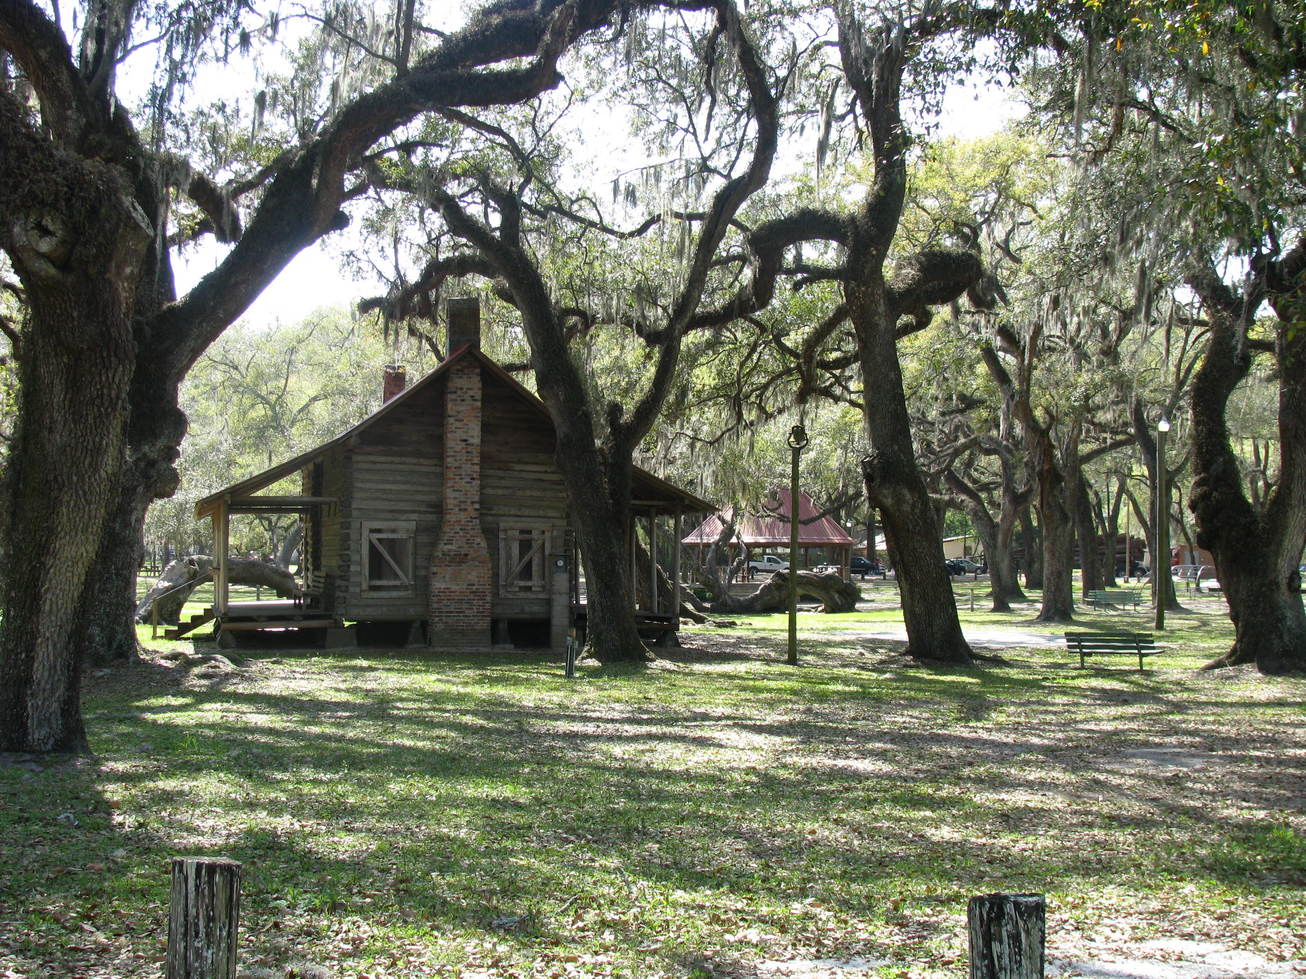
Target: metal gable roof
646, 485
771, 528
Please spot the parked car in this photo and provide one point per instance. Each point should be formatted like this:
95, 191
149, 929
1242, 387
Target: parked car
1138, 571
864, 566
963, 565
768, 563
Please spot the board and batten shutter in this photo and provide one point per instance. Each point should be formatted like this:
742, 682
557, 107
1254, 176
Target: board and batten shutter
522, 554
388, 555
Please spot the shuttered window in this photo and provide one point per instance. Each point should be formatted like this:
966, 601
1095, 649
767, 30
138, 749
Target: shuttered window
522, 552
388, 556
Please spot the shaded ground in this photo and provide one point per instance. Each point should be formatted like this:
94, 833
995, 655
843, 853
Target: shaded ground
720, 812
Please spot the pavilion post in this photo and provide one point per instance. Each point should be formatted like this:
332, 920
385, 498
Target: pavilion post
634, 560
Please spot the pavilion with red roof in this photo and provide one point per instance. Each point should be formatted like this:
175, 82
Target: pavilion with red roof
769, 531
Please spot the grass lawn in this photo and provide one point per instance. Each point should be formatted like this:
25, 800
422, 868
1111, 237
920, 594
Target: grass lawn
717, 814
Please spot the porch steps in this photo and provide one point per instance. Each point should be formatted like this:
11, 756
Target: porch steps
194, 622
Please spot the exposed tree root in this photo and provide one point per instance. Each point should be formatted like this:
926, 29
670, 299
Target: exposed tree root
1225, 660
967, 657
1055, 619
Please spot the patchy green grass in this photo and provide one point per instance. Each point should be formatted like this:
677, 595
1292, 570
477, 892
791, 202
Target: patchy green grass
403, 815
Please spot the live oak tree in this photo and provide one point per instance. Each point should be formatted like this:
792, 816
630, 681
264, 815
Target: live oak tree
707, 183
1256, 548
989, 192
86, 189
1199, 107
884, 296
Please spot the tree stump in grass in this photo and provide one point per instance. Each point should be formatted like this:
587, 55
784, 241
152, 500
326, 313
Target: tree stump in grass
1006, 936
203, 918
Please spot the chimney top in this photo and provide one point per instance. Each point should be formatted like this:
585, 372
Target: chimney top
464, 322
394, 382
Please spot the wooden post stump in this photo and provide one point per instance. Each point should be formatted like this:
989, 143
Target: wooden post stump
1006, 936
203, 918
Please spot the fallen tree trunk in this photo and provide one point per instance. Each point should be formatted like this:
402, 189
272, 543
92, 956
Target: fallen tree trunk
184, 575
832, 591
690, 607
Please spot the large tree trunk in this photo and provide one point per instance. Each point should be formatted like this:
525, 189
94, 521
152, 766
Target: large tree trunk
180, 578
64, 466
79, 244
1032, 546
834, 593
1002, 562
598, 488
289, 545
1256, 551
874, 61
1014, 503
1110, 528
1090, 559
111, 632
1057, 529
156, 428
995, 535
895, 487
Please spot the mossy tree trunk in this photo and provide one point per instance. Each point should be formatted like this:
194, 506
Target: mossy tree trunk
874, 61
1256, 550
102, 347
77, 242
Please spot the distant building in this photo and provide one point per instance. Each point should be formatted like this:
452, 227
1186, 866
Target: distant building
820, 538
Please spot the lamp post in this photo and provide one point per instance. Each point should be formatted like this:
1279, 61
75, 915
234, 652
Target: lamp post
1161, 563
797, 442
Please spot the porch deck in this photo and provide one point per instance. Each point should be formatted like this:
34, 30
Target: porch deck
273, 615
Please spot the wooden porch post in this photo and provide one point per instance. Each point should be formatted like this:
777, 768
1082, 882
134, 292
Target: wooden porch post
653, 561
675, 566
634, 559
222, 541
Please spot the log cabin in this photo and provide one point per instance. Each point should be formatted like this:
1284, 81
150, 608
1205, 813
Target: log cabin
441, 516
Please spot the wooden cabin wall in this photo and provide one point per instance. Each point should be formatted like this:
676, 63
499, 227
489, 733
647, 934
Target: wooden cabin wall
393, 472
520, 486
333, 559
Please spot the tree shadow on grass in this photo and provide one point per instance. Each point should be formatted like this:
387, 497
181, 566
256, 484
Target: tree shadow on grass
417, 799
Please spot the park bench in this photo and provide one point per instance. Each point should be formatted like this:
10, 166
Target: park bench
1114, 597
1087, 644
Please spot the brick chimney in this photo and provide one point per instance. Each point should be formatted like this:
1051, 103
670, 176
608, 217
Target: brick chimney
459, 607
464, 326
396, 379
